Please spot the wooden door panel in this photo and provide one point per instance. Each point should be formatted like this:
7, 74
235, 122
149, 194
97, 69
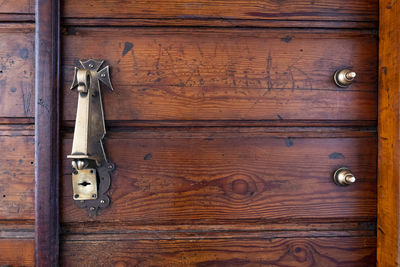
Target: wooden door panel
193, 74
17, 180
17, 7
354, 10
17, 252
335, 251
16, 70
233, 174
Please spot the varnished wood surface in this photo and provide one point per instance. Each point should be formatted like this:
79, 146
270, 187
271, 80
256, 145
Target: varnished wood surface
340, 251
232, 174
389, 147
339, 10
17, 185
236, 229
217, 74
17, 7
17, 70
209, 22
17, 252
47, 110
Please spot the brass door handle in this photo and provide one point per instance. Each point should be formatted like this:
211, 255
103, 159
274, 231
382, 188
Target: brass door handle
343, 176
344, 77
91, 175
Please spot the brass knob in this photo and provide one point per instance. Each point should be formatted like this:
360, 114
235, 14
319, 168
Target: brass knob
344, 77
343, 176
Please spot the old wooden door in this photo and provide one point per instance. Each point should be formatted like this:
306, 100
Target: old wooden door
225, 127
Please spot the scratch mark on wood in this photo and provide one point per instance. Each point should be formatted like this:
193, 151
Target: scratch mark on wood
268, 71
391, 5
26, 99
286, 39
44, 105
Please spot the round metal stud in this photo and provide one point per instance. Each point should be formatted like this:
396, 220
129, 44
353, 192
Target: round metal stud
343, 177
344, 77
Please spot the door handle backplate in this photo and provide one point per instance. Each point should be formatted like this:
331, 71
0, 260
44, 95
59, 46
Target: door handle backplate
91, 174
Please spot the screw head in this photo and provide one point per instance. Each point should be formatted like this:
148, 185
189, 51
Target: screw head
103, 75
110, 166
75, 172
102, 201
76, 196
91, 65
94, 195
92, 208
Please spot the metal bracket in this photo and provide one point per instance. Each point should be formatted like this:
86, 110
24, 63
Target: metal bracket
91, 175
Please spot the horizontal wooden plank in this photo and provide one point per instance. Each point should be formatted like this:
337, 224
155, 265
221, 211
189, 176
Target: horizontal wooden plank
339, 251
17, 229
17, 252
111, 230
220, 74
17, 7
195, 234
215, 22
339, 10
68, 125
17, 181
30, 18
201, 177
16, 70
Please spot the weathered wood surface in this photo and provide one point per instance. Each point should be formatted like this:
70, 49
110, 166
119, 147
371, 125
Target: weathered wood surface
389, 146
17, 70
17, 183
339, 251
17, 252
232, 174
338, 10
193, 22
17, 7
195, 74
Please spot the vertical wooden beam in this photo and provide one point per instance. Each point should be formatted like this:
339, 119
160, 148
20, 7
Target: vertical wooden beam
46, 132
389, 134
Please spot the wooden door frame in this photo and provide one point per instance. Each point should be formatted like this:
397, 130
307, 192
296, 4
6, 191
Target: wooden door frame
47, 132
388, 134
47, 156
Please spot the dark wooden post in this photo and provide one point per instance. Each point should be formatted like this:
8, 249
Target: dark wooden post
388, 129
46, 132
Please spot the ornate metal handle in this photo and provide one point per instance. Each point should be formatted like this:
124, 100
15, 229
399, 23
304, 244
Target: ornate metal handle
91, 175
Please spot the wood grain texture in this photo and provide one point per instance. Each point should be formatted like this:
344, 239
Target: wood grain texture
341, 251
389, 146
17, 252
217, 74
17, 7
17, 70
209, 22
47, 110
77, 231
232, 174
17, 183
353, 10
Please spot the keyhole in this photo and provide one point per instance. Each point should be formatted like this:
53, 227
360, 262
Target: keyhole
84, 183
